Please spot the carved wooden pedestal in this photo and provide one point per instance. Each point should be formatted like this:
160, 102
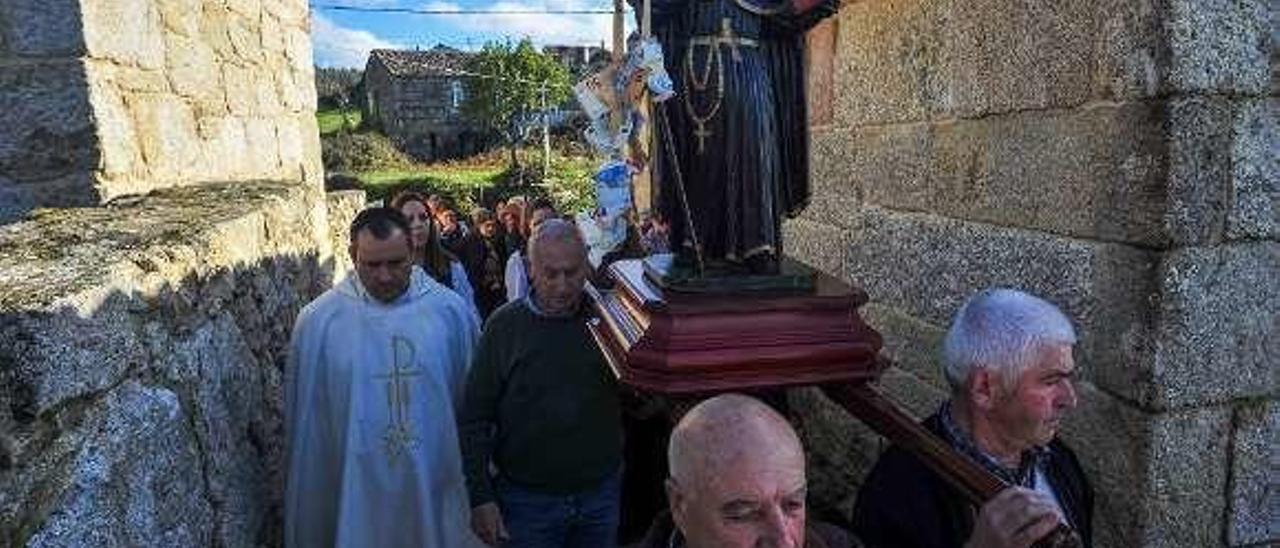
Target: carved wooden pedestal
682, 344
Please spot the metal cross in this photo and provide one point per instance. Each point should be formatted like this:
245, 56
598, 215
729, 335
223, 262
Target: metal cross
701, 133
728, 37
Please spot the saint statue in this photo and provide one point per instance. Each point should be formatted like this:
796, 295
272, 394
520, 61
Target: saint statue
738, 126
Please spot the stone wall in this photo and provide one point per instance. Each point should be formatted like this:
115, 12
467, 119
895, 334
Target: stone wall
1116, 157
143, 335
142, 352
104, 98
343, 206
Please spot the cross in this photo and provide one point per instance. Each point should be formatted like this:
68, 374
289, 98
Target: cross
701, 133
399, 435
728, 37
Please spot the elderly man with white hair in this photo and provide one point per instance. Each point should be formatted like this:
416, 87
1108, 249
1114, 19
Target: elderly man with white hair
1008, 360
542, 410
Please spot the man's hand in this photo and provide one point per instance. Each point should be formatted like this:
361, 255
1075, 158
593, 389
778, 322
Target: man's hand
1016, 518
486, 522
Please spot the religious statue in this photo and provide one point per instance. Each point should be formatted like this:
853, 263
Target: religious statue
737, 126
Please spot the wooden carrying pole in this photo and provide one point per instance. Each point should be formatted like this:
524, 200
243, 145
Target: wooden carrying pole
972, 481
619, 39
646, 26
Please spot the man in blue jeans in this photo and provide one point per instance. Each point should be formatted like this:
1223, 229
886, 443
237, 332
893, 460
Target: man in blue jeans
542, 410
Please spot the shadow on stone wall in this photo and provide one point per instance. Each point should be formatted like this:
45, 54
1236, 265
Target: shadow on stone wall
153, 420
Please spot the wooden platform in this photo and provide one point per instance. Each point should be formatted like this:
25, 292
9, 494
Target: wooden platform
680, 343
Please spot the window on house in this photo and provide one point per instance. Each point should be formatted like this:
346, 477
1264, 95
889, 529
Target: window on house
455, 95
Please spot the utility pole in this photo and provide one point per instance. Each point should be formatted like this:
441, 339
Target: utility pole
546, 135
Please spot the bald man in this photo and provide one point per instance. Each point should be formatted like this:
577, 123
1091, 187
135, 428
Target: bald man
737, 481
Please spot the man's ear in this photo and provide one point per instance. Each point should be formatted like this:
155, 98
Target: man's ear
677, 502
351, 250
984, 386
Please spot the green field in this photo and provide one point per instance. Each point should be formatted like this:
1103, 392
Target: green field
454, 181
330, 121
470, 182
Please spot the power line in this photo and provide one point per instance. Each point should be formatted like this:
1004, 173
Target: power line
414, 11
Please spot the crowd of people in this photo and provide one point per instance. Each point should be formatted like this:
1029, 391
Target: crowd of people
408, 424
484, 258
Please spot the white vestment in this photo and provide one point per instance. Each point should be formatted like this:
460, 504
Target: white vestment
371, 396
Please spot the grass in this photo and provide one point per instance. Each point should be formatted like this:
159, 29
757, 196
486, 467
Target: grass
454, 181
469, 181
332, 120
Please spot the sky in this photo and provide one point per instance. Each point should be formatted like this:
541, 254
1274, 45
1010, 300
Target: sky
344, 38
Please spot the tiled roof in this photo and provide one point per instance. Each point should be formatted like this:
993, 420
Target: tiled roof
433, 62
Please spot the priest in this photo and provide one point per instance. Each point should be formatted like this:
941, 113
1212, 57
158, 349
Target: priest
376, 370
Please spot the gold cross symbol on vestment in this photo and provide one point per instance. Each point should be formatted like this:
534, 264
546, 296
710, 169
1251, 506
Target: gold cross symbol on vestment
399, 437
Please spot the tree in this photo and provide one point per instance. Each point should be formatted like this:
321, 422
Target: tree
338, 87
510, 85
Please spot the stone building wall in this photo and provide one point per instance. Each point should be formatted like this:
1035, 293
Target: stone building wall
104, 98
1119, 158
419, 113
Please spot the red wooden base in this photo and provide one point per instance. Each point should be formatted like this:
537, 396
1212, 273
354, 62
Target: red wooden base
682, 344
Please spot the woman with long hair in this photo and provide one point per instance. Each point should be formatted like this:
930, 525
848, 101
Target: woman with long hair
513, 233
484, 254
428, 253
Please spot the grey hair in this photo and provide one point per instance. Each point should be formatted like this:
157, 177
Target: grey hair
1001, 329
555, 230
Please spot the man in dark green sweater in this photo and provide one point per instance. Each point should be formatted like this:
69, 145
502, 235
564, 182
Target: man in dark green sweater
542, 410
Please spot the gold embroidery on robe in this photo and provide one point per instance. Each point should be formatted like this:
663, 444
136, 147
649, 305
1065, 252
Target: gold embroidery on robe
399, 436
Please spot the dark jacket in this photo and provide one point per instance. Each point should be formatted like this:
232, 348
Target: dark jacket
816, 535
485, 261
904, 504
541, 404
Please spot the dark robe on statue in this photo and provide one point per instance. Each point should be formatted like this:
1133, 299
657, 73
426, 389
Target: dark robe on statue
738, 120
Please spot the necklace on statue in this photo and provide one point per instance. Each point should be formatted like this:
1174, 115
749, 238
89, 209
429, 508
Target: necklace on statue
700, 121
713, 45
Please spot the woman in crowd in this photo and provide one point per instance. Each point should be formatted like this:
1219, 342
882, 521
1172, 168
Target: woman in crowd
428, 253
452, 231
485, 256
513, 236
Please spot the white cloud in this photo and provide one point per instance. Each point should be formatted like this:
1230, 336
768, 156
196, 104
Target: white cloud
338, 46
542, 28
369, 3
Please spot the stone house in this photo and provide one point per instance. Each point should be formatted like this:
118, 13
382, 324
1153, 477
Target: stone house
416, 98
